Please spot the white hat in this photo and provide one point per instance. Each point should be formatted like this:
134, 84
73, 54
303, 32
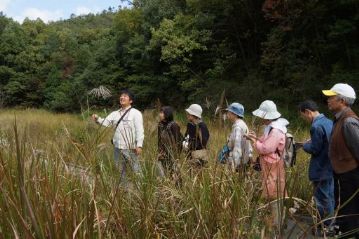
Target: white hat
267, 110
341, 89
195, 110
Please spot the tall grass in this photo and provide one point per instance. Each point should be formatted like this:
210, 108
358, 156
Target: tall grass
58, 180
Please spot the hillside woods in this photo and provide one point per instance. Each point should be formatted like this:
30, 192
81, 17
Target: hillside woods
180, 51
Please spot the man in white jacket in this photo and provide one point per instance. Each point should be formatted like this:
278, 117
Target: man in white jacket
129, 133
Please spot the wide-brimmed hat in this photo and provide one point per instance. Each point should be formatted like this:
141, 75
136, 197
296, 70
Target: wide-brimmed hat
267, 110
195, 109
341, 89
236, 108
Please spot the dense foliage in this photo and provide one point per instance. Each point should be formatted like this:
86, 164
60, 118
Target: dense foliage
179, 51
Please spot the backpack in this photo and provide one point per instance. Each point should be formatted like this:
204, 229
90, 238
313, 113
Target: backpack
290, 154
223, 154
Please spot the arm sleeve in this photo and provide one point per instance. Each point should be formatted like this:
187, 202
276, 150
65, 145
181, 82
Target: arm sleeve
176, 132
237, 149
138, 121
315, 145
176, 137
270, 144
108, 121
187, 130
351, 135
205, 135
159, 136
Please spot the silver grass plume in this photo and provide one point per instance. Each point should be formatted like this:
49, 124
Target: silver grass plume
100, 92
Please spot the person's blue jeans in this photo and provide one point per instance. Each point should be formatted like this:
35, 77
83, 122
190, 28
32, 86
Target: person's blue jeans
124, 159
324, 199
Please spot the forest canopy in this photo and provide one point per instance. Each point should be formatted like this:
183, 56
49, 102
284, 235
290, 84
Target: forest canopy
181, 51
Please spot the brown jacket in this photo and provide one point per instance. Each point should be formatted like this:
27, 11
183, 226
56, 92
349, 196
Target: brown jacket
341, 157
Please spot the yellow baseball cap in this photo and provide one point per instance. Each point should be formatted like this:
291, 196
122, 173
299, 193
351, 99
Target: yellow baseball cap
329, 93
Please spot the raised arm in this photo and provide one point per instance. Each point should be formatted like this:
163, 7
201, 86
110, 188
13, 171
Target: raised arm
110, 120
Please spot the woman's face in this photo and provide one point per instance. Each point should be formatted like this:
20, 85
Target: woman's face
231, 117
190, 117
266, 121
162, 116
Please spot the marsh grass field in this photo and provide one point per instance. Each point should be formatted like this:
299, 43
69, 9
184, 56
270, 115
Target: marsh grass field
58, 180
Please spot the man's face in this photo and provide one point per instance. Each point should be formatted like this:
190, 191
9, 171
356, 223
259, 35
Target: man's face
125, 100
335, 104
306, 115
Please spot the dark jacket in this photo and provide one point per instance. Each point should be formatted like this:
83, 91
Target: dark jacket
194, 136
169, 140
320, 167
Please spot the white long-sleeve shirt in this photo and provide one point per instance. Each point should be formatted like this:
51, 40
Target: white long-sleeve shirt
129, 133
240, 147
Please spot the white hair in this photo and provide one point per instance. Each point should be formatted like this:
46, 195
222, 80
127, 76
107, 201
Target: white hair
349, 101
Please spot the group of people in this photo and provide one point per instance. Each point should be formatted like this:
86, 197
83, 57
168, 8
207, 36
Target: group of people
333, 146
334, 165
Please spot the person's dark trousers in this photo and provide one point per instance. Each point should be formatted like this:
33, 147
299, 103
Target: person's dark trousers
324, 199
346, 185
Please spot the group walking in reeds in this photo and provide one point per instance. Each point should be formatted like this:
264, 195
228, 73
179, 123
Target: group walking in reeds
334, 150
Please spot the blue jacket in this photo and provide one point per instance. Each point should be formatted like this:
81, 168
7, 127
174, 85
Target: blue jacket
320, 167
